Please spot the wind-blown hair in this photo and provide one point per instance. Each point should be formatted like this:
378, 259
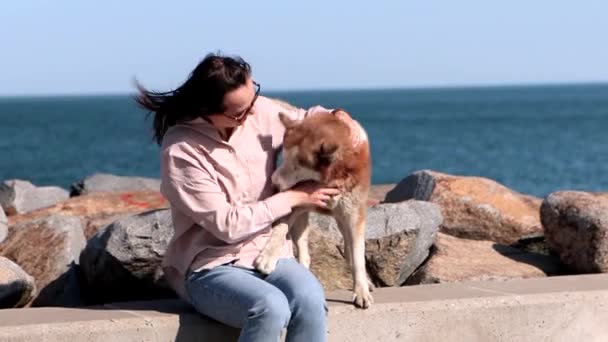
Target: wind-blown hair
201, 95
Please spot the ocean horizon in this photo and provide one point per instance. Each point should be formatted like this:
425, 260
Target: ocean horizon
473, 86
534, 139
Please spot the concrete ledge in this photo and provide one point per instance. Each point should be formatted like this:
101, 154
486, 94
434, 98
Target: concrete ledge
545, 309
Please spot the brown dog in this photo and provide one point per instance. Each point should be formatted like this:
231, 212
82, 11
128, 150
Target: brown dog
333, 149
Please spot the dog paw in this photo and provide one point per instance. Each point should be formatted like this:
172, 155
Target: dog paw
362, 298
265, 263
304, 260
371, 286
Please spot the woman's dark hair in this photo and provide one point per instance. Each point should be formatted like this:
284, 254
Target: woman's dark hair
201, 95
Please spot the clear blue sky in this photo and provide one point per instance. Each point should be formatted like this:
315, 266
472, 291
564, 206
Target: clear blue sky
75, 46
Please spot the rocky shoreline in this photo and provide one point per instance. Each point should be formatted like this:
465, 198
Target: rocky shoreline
103, 240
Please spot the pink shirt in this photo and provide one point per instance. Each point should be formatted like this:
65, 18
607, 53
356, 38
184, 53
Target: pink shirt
222, 200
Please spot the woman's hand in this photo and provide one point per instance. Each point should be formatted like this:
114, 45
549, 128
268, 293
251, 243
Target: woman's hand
311, 193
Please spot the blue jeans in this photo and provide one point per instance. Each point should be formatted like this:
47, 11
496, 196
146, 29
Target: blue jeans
261, 305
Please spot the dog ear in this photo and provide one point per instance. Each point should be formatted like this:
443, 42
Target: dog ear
286, 121
326, 153
340, 113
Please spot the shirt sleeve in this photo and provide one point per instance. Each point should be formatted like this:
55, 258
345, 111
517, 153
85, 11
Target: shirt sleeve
191, 189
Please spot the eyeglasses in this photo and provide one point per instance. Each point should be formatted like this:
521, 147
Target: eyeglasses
240, 117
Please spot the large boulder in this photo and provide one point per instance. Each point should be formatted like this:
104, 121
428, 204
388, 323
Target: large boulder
123, 262
455, 260
3, 225
576, 228
19, 196
327, 259
102, 182
398, 238
473, 207
98, 210
17, 288
48, 249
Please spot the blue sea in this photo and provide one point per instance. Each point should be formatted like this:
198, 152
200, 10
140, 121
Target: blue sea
533, 139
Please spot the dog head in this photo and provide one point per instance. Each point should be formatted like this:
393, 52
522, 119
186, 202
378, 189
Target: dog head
310, 147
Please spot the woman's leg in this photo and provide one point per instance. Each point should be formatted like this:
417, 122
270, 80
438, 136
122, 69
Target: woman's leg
239, 298
306, 301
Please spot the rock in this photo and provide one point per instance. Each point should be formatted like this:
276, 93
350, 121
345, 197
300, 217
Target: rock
327, 260
420, 185
99, 209
48, 249
102, 182
454, 260
533, 244
576, 228
3, 225
17, 288
123, 262
398, 238
473, 207
12, 191
18, 196
378, 192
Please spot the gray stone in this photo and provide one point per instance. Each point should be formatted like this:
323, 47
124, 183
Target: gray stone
327, 260
17, 287
101, 182
19, 196
48, 249
576, 228
123, 261
419, 186
398, 239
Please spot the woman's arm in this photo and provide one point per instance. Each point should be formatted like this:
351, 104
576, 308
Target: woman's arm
192, 190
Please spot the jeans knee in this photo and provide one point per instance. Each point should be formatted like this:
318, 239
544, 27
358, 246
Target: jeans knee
312, 304
273, 309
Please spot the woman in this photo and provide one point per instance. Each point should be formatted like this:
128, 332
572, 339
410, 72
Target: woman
219, 141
